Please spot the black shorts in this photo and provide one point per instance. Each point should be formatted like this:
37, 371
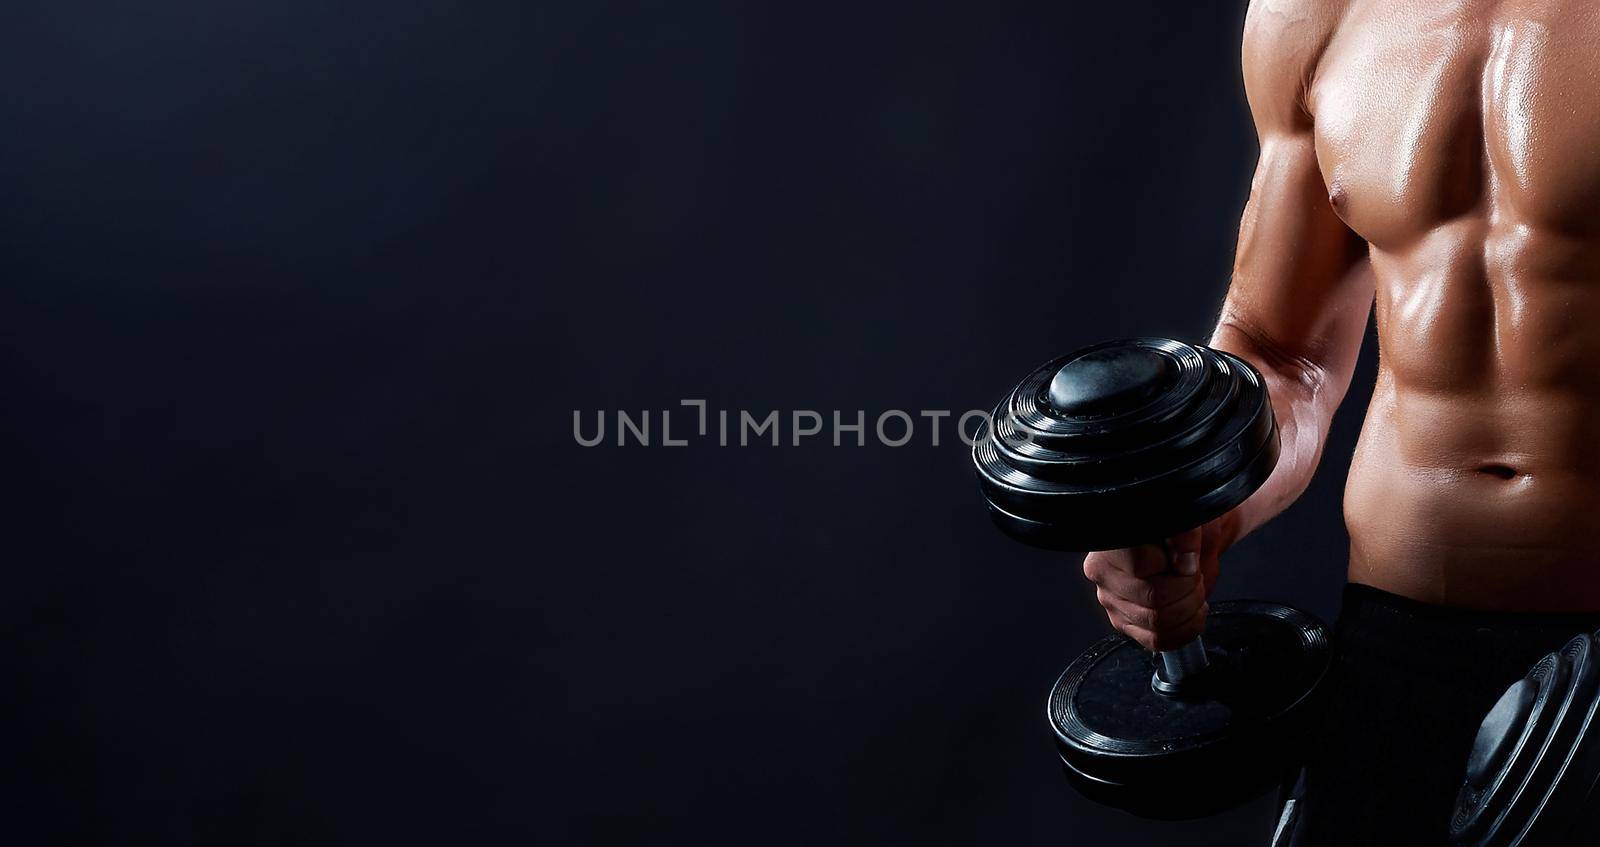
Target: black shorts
1409, 686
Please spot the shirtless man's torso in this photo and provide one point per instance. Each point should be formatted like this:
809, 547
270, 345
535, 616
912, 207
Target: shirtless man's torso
1441, 161
1462, 142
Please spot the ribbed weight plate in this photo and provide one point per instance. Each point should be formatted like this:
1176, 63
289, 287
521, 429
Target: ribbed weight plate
1531, 776
1125, 442
1129, 746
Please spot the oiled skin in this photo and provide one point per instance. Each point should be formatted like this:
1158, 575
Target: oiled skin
1443, 160
1477, 479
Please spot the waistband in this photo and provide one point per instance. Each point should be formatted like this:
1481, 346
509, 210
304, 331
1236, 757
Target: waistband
1360, 600
1387, 633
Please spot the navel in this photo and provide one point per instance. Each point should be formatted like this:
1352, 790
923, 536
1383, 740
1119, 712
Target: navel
1499, 471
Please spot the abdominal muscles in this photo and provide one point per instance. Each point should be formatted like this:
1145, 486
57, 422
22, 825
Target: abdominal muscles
1477, 479
1476, 482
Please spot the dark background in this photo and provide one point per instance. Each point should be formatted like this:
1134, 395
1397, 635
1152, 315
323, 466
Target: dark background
298, 300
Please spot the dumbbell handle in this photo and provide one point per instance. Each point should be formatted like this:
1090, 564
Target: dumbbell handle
1186, 661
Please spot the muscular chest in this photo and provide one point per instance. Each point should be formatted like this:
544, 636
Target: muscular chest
1428, 111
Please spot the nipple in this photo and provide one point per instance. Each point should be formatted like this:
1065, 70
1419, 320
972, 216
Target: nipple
1338, 199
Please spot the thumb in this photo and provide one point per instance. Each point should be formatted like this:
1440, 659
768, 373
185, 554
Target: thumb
1185, 551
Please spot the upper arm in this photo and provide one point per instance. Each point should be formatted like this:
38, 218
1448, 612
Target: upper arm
1300, 293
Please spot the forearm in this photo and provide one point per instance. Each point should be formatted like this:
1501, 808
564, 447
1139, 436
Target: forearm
1302, 404
1306, 379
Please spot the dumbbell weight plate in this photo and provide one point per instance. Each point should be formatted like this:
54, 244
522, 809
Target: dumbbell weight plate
1534, 765
1125, 442
1125, 745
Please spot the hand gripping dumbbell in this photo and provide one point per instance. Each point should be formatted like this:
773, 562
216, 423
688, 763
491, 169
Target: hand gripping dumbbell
1133, 442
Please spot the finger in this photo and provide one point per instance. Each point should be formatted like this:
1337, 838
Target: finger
1144, 560
1185, 550
1145, 637
1152, 591
1169, 639
1159, 619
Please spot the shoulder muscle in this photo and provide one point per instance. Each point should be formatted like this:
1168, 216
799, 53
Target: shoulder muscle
1283, 41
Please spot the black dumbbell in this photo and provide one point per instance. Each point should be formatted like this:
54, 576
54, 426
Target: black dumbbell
1531, 778
1133, 442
